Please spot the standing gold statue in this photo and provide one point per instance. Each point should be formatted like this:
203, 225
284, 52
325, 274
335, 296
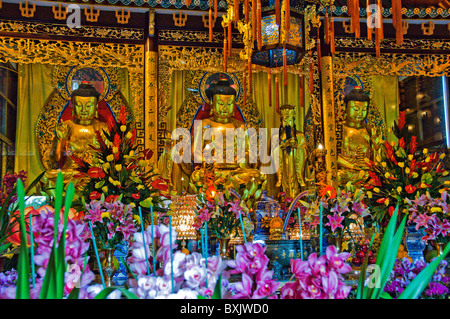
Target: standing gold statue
75, 137
357, 138
293, 154
227, 170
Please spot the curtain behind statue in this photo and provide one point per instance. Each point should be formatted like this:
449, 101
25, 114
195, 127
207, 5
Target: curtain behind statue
34, 88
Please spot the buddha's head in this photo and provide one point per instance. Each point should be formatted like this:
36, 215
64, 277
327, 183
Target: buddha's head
85, 103
222, 96
356, 106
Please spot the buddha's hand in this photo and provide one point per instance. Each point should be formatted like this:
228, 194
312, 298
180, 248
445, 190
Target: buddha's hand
62, 130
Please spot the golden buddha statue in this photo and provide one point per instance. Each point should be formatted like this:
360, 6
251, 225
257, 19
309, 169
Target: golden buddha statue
230, 171
293, 154
75, 137
356, 138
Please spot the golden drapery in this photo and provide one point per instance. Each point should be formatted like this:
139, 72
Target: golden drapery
386, 98
34, 88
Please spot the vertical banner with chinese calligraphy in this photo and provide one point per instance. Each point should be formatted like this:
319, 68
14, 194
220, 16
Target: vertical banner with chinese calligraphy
151, 98
329, 119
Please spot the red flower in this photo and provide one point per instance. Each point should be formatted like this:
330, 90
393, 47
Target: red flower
111, 122
401, 120
96, 172
329, 190
160, 184
402, 143
100, 139
131, 166
391, 210
95, 195
117, 140
413, 144
381, 200
77, 160
123, 115
410, 189
375, 179
111, 198
136, 195
390, 152
133, 136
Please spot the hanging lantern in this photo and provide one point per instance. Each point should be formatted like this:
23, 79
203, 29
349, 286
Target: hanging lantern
282, 26
211, 192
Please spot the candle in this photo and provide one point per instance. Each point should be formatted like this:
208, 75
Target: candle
96, 255
143, 239
277, 95
246, 10
287, 17
32, 250
300, 233
153, 240
215, 9
320, 233
171, 254
258, 24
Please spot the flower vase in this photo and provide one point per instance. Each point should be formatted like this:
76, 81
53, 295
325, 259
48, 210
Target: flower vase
439, 248
108, 267
337, 242
223, 245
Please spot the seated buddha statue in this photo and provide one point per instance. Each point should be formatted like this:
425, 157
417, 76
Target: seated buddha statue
293, 154
75, 137
229, 171
356, 138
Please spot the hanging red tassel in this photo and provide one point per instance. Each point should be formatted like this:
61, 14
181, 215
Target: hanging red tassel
215, 9
188, 3
332, 46
287, 16
357, 24
225, 54
369, 30
254, 5
301, 93
277, 95
277, 12
246, 10
229, 38
236, 10
258, 24
311, 76
380, 17
210, 25
284, 67
269, 85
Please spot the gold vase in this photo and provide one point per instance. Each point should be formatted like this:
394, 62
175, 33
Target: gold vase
108, 267
223, 244
439, 248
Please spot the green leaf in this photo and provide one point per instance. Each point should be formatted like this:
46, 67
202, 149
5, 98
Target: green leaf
427, 178
217, 294
99, 184
420, 282
74, 293
4, 247
23, 269
106, 291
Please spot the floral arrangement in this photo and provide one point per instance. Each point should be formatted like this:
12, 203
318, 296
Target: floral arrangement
340, 208
112, 221
121, 169
431, 215
404, 272
400, 171
222, 214
8, 185
191, 277
285, 203
78, 272
252, 264
319, 277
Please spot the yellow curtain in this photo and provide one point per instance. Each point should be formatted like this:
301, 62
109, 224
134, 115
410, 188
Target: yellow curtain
176, 98
386, 98
34, 88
